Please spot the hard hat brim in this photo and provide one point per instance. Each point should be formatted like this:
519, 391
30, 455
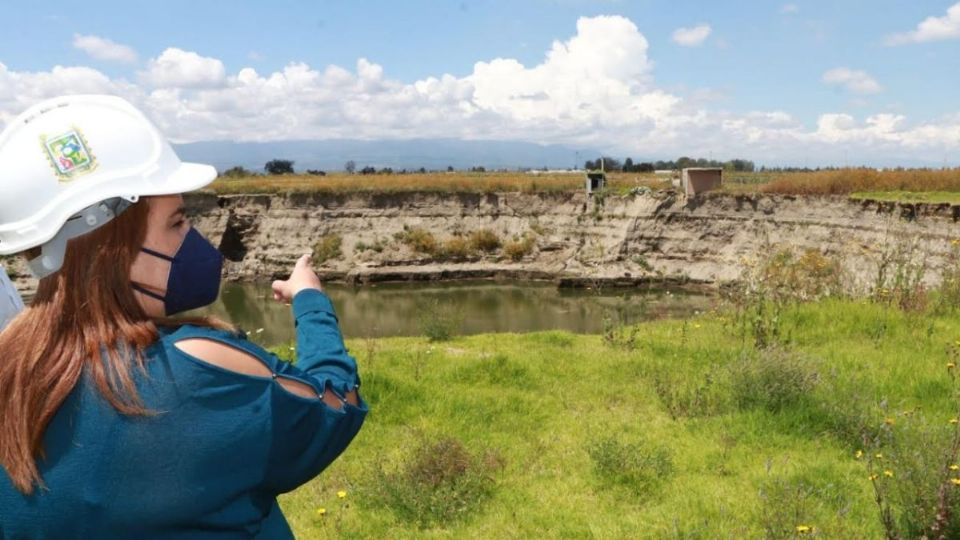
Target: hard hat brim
187, 177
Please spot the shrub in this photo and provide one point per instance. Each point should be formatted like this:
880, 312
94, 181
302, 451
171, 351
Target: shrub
456, 248
809, 277
437, 485
439, 322
772, 379
639, 467
419, 240
768, 287
790, 505
948, 298
912, 463
684, 397
518, 249
899, 280
484, 240
327, 248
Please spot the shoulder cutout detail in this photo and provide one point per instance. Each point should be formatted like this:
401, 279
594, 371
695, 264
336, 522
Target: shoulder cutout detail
223, 355
237, 360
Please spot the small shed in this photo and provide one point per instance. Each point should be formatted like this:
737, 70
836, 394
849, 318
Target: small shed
595, 181
700, 179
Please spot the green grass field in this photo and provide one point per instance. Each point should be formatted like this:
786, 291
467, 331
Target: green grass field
686, 432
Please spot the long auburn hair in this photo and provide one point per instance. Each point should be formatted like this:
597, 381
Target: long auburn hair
85, 316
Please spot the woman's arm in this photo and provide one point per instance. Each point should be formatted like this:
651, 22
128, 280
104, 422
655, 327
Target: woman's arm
320, 349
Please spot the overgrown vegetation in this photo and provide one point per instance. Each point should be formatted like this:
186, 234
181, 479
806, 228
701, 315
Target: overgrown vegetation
327, 248
822, 414
440, 483
929, 185
518, 248
637, 466
438, 321
848, 181
692, 430
484, 240
419, 240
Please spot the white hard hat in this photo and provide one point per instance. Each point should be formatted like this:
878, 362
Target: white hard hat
70, 164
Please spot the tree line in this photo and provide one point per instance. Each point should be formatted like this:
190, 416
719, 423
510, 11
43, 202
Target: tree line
628, 165
285, 166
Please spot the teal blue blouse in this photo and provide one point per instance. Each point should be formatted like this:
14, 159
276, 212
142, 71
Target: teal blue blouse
211, 464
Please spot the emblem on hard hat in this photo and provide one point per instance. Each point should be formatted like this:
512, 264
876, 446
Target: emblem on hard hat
69, 154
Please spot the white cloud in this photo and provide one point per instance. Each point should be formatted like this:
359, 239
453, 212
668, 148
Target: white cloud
932, 29
856, 81
593, 89
104, 49
178, 68
19, 90
691, 37
789, 8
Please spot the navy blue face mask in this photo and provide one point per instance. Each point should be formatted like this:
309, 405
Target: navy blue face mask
194, 279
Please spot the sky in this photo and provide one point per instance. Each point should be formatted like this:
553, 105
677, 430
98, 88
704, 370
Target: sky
805, 83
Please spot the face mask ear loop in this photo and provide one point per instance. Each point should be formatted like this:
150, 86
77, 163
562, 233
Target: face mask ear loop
151, 294
149, 251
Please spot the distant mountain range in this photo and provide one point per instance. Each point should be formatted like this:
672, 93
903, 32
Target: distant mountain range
432, 154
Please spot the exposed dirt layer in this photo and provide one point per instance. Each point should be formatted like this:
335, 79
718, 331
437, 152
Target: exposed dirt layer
574, 239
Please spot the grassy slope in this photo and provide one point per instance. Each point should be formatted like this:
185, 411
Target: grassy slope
542, 399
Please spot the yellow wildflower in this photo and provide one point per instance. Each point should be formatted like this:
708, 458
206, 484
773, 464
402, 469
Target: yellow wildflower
954, 467
872, 477
878, 456
955, 481
321, 511
953, 420
888, 421
803, 529
341, 494
951, 365
888, 473
859, 454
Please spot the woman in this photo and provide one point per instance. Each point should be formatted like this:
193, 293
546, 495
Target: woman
116, 421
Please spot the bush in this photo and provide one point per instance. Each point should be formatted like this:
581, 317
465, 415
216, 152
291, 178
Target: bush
912, 463
638, 467
456, 248
948, 298
484, 240
439, 322
685, 397
772, 379
439, 484
419, 240
518, 249
899, 280
327, 248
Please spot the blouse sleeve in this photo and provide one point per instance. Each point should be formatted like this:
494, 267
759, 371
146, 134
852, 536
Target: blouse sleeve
308, 434
320, 349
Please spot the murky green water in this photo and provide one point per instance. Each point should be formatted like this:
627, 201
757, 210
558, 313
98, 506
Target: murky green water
479, 307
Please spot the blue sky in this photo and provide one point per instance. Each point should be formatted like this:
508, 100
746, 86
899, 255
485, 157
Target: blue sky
802, 59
